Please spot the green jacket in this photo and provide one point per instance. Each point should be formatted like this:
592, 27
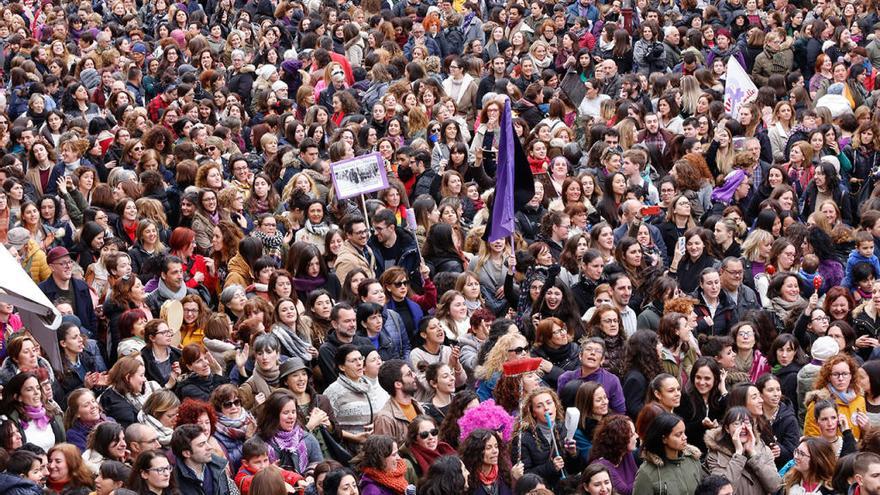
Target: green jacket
669, 477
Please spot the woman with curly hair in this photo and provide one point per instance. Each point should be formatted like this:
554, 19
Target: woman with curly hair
489, 458
837, 382
641, 364
202, 414
614, 444
511, 389
461, 403
542, 412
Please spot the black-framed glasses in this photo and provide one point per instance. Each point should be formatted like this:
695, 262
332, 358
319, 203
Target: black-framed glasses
160, 470
432, 433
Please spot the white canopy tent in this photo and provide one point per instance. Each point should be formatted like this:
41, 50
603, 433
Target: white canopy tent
36, 311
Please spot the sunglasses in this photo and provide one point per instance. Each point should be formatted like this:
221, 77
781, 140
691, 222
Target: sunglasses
402, 283
232, 403
425, 434
518, 350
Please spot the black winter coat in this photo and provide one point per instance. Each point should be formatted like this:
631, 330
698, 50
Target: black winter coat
725, 314
787, 376
189, 484
117, 407
152, 370
787, 432
537, 455
199, 387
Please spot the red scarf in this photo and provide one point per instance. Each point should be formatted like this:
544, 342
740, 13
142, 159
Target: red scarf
538, 165
427, 457
392, 480
490, 477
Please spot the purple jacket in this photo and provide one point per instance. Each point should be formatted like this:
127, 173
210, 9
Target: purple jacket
624, 476
608, 380
77, 435
370, 487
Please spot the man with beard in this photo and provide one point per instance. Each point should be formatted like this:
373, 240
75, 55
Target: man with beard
399, 380
867, 473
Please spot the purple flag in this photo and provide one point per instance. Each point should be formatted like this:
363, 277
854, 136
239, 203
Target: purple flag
514, 182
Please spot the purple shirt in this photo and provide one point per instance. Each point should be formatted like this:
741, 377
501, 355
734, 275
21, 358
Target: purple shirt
608, 380
624, 476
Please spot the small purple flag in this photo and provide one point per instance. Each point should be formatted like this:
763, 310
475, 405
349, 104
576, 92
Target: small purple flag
514, 182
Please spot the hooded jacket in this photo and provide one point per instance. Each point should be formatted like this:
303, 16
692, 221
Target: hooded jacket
669, 476
754, 475
770, 62
16, 485
811, 428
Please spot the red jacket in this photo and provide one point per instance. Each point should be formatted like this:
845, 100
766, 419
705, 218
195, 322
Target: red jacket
245, 476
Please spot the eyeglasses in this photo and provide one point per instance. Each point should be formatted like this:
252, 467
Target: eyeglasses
821, 318
425, 434
400, 283
518, 350
359, 233
840, 374
734, 273
64, 264
454, 67
800, 453
160, 470
232, 403
746, 333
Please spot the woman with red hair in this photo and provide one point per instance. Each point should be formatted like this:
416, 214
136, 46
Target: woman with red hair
201, 414
67, 471
198, 270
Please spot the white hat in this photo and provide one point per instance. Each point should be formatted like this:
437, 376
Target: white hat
824, 348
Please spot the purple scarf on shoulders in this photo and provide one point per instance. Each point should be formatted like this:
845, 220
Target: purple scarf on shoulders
292, 441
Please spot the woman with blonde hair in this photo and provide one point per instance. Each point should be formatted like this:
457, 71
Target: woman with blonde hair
304, 183
783, 121
690, 94
508, 347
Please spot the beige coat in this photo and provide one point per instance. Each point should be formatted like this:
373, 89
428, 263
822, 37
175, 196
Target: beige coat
391, 421
351, 258
756, 475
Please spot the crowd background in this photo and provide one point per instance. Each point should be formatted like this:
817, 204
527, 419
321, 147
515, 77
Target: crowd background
690, 302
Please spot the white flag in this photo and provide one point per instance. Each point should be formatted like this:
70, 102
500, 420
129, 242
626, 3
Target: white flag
738, 89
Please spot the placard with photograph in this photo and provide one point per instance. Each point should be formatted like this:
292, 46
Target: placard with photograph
360, 175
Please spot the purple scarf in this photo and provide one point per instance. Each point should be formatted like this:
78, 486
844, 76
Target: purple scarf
292, 441
308, 284
724, 194
37, 414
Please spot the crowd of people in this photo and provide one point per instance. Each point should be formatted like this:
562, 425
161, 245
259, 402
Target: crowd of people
689, 303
